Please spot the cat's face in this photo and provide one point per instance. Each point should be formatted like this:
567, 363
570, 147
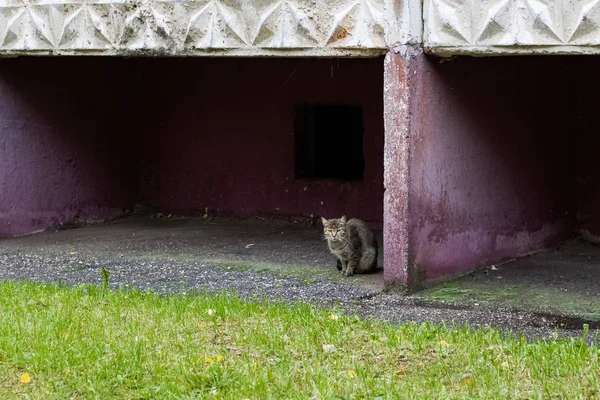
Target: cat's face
334, 229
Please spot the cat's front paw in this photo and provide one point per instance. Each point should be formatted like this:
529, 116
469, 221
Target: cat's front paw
348, 273
338, 265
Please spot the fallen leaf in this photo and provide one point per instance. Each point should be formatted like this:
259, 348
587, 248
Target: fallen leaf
205, 216
504, 364
249, 245
201, 324
334, 317
468, 381
25, 378
352, 373
400, 373
169, 216
327, 348
443, 344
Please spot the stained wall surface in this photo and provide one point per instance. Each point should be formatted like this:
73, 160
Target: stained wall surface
488, 160
219, 134
67, 142
586, 124
493, 163
182, 135
504, 27
208, 28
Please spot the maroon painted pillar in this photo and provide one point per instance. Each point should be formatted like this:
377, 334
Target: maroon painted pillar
397, 122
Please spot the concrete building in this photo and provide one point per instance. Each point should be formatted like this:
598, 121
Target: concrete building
371, 108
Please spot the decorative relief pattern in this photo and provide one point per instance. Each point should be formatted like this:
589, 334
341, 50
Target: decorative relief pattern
516, 23
190, 26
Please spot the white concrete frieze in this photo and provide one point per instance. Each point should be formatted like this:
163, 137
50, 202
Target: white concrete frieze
488, 27
207, 28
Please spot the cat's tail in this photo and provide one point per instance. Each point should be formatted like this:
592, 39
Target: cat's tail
368, 261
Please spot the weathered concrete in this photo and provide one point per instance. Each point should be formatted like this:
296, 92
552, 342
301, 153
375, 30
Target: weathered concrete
564, 281
471, 163
397, 100
210, 29
501, 27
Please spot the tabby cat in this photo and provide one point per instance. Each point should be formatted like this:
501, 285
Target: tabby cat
353, 243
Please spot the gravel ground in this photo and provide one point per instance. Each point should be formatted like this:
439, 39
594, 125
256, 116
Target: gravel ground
178, 256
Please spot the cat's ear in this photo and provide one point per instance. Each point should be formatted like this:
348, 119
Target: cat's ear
325, 221
343, 219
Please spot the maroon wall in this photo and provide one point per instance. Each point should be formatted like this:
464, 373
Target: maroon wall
491, 163
66, 142
586, 124
79, 137
218, 133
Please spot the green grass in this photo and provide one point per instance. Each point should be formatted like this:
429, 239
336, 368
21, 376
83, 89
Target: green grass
89, 342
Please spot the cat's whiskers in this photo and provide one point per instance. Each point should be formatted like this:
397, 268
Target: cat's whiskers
344, 240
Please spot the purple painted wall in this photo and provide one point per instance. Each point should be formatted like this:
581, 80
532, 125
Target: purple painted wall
218, 134
482, 156
490, 165
85, 138
587, 126
67, 148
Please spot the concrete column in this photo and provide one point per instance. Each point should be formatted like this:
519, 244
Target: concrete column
398, 65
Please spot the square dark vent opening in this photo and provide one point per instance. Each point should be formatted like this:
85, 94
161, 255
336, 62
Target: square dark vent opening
329, 142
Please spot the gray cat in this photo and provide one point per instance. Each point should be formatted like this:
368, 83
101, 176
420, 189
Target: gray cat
353, 243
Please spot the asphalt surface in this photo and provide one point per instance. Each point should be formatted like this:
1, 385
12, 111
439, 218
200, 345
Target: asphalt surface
289, 262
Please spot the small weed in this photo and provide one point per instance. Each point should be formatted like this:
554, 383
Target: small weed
105, 274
